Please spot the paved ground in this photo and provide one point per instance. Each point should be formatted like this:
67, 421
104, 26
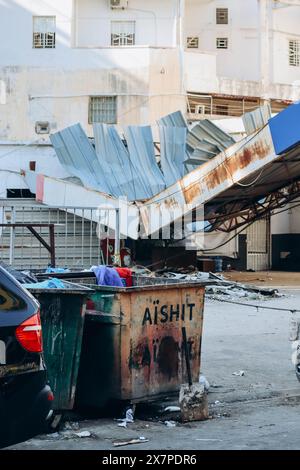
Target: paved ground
266, 278
259, 410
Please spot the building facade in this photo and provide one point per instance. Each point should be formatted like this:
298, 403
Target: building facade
256, 43
131, 62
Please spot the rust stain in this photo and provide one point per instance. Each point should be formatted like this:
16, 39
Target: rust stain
171, 203
140, 356
240, 160
245, 158
191, 192
168, 359
151, 361
216, 177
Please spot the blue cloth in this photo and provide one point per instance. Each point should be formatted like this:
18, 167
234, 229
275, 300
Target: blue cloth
48, 284
107, 276
57, 270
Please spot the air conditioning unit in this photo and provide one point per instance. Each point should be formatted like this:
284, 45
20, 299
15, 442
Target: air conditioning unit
118, 4
200, 109
42, 127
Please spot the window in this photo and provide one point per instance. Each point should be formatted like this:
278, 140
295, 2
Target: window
222, 43
19, 193
192, 42
222, 15
103, 109
294, 53
10, 301
222, 109
122, 33
44, 32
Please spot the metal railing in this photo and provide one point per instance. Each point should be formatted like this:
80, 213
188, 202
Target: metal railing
77, 235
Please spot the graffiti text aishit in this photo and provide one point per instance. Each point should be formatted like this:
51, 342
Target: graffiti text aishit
167, 313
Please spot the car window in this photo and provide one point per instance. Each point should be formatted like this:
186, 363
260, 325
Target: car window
10, 301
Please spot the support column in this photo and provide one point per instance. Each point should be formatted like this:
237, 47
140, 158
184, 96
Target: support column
265, 13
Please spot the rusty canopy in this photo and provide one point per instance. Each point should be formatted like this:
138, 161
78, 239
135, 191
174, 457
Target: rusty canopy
242, 183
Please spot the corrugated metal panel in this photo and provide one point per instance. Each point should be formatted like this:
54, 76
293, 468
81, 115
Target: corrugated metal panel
172, 152
173, 120
111, 168
206, 140
256, 119
78, 157
111, 151
141, 150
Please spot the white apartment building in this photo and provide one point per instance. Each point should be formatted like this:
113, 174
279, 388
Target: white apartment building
132, 61
257, 49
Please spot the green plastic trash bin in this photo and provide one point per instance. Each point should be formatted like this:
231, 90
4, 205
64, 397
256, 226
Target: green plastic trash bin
62, 317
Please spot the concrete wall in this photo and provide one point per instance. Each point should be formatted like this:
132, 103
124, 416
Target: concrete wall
54, 85
200, 72
240, 60
146, 81
155, 22
256, 62
285, 27
15, 158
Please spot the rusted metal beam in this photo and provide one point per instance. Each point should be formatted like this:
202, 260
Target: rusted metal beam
256, 210
52, 244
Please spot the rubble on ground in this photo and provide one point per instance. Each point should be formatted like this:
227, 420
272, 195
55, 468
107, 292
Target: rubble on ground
217, 286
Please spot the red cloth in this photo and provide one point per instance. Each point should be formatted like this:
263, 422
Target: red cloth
125, 273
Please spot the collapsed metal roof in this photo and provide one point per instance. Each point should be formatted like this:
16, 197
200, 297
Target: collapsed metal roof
205, 140
130, 169
243, 182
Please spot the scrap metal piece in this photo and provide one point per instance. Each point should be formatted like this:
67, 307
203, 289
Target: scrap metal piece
172, 152
111, 150
257, 119
78, 157
141, 150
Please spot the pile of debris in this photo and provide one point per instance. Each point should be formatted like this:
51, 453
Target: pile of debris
218, 288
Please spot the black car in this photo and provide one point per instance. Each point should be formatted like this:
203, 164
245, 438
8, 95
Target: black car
25, 397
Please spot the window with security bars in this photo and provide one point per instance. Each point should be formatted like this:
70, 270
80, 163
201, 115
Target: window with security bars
123, 33
103, 109
222, 43
192, 42
294, 53
44, 30
222, 15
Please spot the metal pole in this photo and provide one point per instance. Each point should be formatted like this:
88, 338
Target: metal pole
12, 238
52, 244
117, 238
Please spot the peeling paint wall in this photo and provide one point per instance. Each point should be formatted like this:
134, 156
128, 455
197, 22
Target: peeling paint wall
54, 85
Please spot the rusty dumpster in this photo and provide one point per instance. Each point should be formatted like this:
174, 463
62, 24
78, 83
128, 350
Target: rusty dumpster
132, 345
